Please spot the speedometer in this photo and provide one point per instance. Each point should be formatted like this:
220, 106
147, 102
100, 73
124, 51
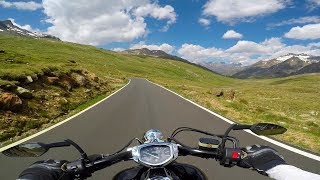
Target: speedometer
155, 154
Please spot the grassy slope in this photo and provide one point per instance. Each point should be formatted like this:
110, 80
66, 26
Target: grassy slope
292, 102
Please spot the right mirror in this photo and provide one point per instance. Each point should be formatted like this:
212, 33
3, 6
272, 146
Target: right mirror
26, 150
267, 129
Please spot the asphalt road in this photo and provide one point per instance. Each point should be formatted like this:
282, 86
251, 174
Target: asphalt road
135, 109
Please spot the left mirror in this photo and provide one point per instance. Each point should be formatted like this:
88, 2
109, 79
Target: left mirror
26, 150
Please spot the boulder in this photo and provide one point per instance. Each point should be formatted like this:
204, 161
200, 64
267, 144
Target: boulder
29, 79
25, 93
10, 101
52, 80
79, 79
219, 93
232, 94
93, 77
66, 84
2, 51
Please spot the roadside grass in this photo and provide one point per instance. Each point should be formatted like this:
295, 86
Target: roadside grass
292, 102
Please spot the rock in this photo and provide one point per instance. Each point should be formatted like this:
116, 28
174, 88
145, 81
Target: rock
10, 87
2, 51
232, 95
219, 93
10, 101
72, 61
29, 79
63, 101
67, 85
56, 94
79, 79
25, 93
93, 77
53, 80
87, 91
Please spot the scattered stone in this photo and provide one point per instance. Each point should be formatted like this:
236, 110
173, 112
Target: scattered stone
232, 95
10, 87
63, 101
52, 80
93, 77
305, 128
25, 93
56, 94
72, 61
66, 85
87, 91
2, 51
29, 79
10, 101
79, 79
219, 93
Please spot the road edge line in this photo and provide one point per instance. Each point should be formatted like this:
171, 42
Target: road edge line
61, 122
277, 143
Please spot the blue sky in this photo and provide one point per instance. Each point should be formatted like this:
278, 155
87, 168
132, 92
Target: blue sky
257, 29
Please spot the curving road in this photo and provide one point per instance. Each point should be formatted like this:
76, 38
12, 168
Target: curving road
135, 109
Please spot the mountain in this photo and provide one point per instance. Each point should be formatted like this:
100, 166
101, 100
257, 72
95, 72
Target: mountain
153, 53
9, 28
290, 64
311, 68
223, 68
160, 54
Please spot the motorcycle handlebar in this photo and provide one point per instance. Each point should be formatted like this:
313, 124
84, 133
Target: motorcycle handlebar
87, 167
185, 151
81, 167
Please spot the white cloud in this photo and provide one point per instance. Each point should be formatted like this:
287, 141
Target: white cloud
26, 26
231, 34
100, 22
204, 22
246, 52
31, 5
157, 12
118, 49
232, 11
310, 31
163, 47
301, 20
196, 53
313, 4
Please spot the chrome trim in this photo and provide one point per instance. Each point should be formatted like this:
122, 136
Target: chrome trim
153, 135
137, 158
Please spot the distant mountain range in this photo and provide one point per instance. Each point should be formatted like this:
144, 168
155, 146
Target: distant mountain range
223, 68
7, 27
160, 54
287, 65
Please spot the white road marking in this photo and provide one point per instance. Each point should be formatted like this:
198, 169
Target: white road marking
285, 146
60, 123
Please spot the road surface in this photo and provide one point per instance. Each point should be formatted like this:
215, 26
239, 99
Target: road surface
135, 109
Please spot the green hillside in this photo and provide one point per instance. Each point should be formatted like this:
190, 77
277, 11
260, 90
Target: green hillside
292, 102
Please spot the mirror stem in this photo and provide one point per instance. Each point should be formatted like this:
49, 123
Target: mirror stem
83, 154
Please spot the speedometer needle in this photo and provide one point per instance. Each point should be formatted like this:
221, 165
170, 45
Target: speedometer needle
152, 155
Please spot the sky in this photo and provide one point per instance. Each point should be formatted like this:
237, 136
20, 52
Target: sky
232, 31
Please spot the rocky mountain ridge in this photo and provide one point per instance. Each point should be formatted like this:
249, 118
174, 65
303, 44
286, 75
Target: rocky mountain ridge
223, 68
286, 65
7, 26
